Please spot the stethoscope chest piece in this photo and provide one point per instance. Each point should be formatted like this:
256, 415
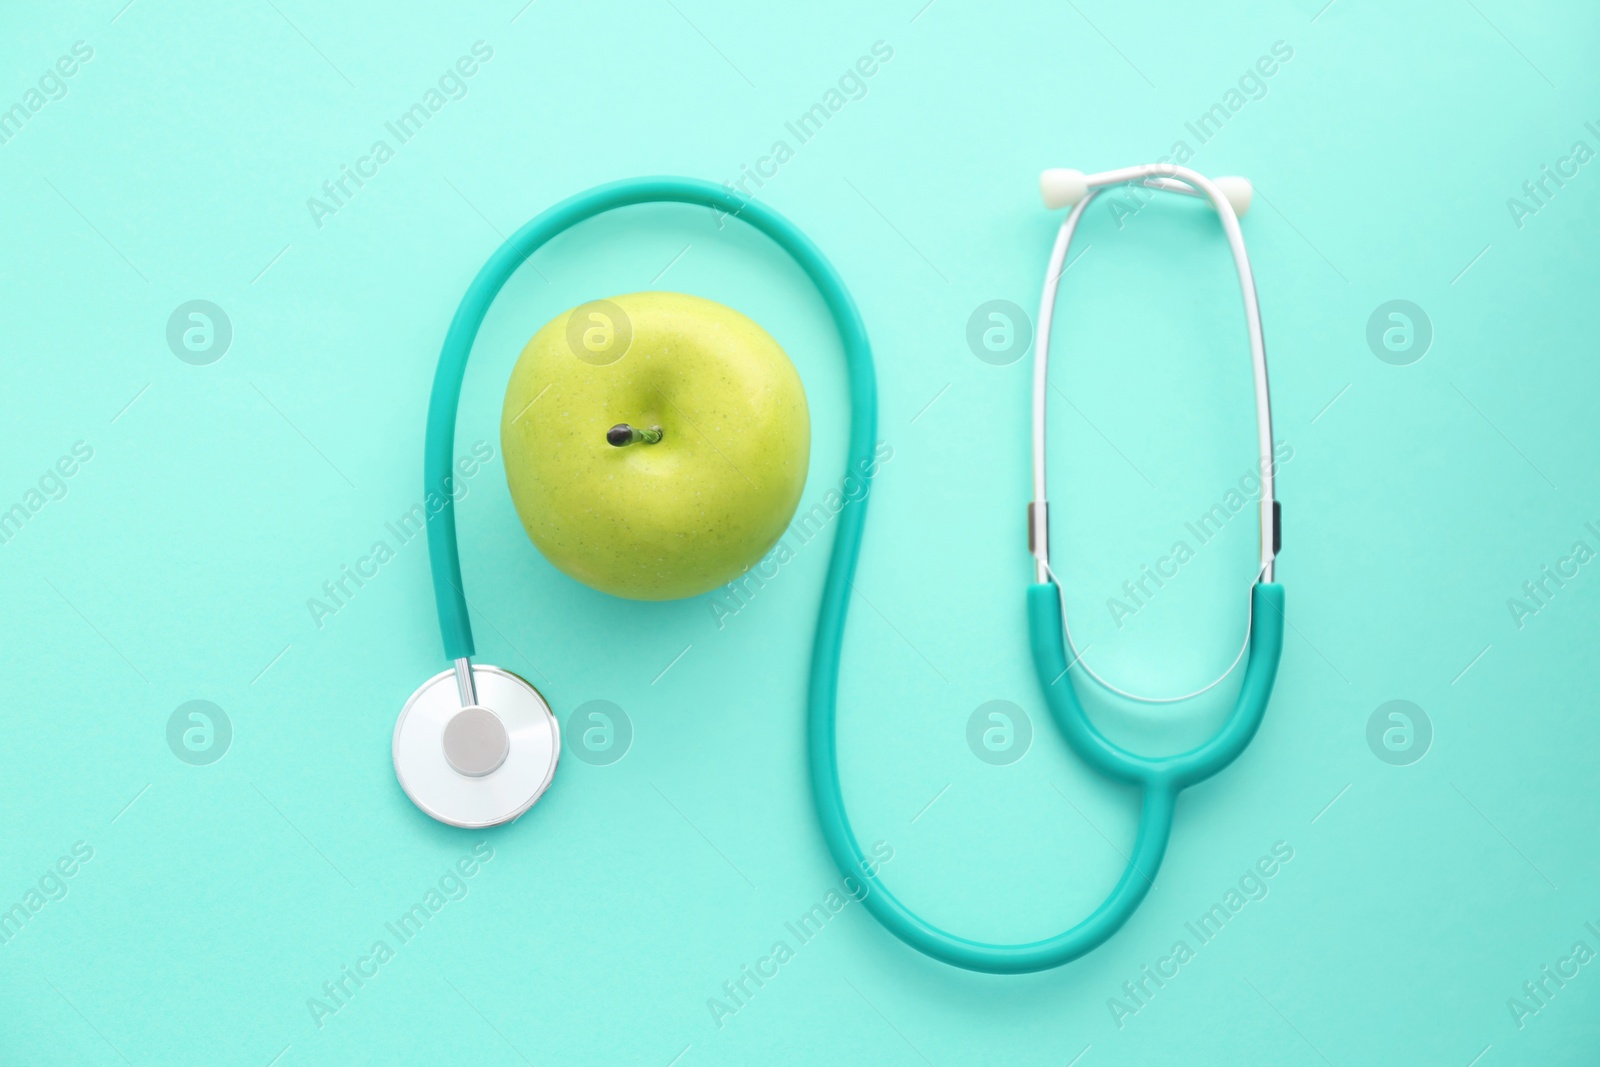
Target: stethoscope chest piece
481, 761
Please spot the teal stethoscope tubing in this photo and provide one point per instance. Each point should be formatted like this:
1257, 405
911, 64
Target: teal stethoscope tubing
443, 554
1160, 779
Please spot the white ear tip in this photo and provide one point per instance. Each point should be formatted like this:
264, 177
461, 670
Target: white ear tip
1239, 192
1062, 188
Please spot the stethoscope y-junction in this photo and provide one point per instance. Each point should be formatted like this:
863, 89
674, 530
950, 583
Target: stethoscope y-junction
476, 745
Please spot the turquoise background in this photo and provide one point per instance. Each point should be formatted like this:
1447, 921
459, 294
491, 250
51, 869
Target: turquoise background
219, 498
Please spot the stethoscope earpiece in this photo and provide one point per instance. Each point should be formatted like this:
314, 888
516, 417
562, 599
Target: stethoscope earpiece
476, 746
1063, 187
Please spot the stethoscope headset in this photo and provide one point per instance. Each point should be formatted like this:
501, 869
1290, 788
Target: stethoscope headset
476, 745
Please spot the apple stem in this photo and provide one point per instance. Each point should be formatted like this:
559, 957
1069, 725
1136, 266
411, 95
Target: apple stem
622, 434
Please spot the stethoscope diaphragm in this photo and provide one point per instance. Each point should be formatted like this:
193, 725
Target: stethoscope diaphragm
478, 764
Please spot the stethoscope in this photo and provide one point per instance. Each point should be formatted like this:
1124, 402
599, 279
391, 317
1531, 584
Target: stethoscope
476, 745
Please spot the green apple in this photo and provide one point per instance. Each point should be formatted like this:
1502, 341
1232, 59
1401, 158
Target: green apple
656, 444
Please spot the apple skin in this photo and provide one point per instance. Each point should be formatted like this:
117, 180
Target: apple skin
692, 511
